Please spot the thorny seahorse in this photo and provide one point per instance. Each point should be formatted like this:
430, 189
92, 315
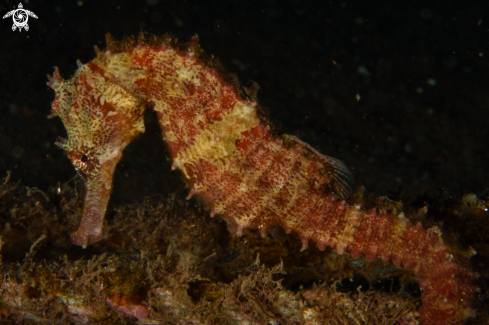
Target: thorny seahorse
222, 142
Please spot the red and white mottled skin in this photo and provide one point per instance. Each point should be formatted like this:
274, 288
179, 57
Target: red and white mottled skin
229, 157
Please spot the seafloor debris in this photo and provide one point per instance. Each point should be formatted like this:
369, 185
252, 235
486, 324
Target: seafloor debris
162, 264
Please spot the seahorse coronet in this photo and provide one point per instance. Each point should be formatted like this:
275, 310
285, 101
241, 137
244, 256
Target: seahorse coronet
220, 139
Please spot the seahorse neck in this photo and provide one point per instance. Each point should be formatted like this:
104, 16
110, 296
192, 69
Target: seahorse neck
189, 98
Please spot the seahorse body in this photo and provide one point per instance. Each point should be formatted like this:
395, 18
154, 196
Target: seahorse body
229, 157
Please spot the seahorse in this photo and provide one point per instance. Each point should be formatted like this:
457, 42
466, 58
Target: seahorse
231, 156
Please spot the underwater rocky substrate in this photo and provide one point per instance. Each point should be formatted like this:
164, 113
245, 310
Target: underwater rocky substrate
165, 261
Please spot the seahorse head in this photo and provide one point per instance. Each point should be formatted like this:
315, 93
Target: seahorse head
100, 117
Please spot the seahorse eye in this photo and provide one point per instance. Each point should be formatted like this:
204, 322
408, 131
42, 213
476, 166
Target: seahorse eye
84, 158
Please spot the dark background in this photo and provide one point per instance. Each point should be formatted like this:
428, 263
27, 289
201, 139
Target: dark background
420, 68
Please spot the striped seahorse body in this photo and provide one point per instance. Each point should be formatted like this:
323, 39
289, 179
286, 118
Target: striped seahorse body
230, 157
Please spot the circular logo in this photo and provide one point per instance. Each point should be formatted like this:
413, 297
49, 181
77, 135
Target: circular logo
20, 17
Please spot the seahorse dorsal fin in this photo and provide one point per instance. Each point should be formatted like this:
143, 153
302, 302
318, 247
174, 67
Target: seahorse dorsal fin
340, 176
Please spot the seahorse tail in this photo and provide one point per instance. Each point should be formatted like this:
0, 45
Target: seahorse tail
446, 281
